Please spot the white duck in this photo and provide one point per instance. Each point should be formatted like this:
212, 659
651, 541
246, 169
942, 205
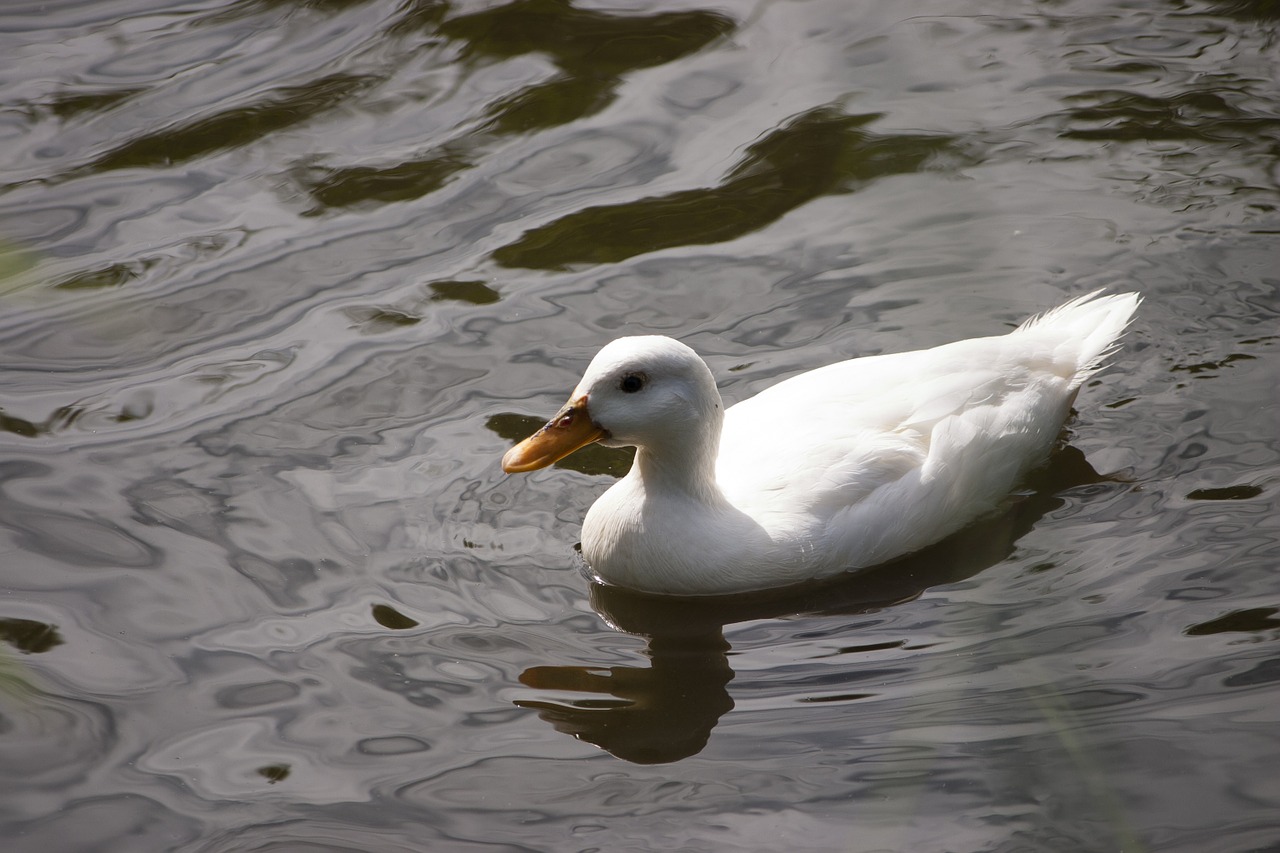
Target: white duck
846, 466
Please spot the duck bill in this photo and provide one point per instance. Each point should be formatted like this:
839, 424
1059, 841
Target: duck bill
570, 429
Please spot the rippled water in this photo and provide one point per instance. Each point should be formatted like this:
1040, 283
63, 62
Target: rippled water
279, 282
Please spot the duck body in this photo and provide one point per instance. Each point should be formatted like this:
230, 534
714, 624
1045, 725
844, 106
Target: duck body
847, 466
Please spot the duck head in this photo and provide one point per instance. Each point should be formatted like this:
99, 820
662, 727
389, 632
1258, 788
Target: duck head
650, 392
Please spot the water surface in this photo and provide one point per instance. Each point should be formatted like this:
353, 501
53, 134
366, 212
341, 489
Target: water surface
280, 281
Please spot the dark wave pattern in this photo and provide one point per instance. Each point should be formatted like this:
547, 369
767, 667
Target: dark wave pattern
592, 50
233, 128
68, 105
280, 280
1205, 116
821, 152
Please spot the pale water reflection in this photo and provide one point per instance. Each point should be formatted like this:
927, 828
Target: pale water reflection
281, 279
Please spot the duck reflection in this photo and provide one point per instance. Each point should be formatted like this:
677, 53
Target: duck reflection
666, 711
653, 715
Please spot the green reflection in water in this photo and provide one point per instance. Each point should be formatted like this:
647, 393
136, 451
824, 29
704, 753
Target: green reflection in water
1199, 116
586, 41
15, 262
62, 417
388, 617
274, 773
29, 636
113, 275
402, 182
1227, 493
821, 152
1248, 10
473, 292
593, 50
550, 104
70, 104
15, 682
1238, 621
419, 16
232, 128
20, 426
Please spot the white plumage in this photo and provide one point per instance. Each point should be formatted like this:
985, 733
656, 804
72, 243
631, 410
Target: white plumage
846, 466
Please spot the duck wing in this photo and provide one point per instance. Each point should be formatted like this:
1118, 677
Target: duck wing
872, 458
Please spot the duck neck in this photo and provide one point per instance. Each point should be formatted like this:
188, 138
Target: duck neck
685, 464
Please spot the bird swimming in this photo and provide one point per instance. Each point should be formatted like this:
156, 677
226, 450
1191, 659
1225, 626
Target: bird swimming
844, 467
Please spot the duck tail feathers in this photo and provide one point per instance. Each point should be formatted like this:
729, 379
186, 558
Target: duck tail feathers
1090, 326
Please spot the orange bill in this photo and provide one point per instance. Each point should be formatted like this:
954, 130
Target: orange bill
570, 429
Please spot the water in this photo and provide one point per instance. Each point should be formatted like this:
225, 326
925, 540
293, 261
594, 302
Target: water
280, 281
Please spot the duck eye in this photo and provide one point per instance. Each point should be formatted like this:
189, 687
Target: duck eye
632, 382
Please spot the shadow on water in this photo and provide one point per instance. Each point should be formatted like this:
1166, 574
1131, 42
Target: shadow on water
666, 711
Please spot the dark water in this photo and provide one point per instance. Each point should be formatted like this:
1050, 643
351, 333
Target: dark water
280, 281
